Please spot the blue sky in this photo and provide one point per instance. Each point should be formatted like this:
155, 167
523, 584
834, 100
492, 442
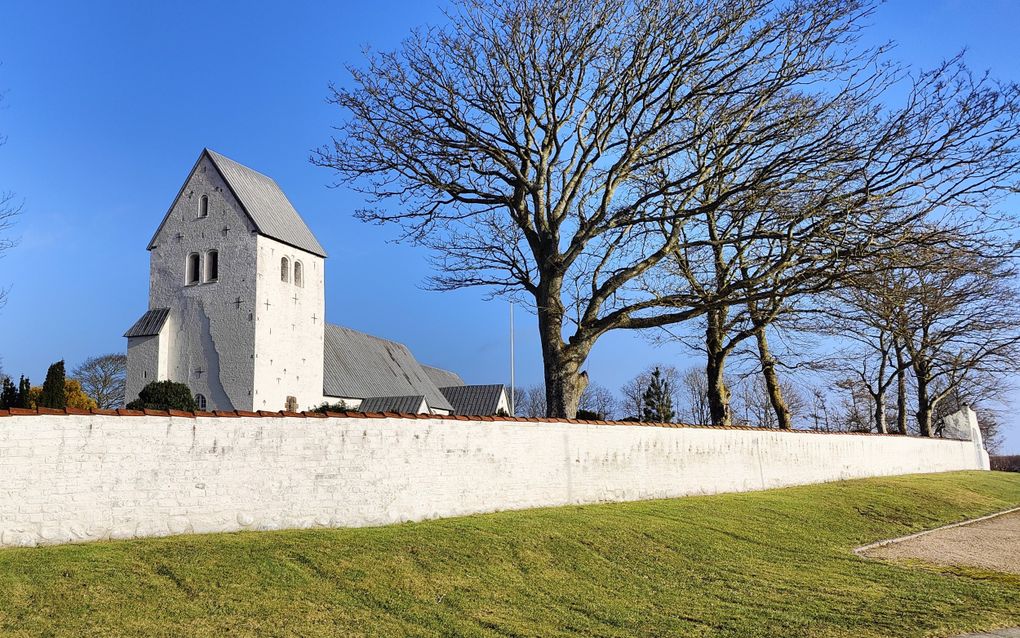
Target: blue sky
109, 103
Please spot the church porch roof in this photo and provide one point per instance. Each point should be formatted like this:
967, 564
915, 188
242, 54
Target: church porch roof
149, 324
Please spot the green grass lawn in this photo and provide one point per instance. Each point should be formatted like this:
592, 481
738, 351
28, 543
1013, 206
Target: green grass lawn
775, 563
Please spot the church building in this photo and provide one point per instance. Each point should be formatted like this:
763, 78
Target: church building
237, 313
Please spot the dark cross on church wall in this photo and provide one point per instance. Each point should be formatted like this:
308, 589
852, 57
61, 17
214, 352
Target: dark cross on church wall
226, 229
237, 303
267, 304
199, 371
295, 299
314, 318
178, 237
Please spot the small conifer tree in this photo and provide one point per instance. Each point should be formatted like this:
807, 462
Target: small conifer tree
24, 393
8, 395
658, 401
54, 392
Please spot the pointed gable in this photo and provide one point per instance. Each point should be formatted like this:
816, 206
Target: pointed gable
442, 378
263, 201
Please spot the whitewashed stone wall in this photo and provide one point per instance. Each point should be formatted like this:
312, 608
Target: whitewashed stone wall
77, 478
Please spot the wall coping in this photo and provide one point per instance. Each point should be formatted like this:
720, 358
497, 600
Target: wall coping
123, 412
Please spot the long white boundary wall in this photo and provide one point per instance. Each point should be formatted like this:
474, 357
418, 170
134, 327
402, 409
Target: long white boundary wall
67, 478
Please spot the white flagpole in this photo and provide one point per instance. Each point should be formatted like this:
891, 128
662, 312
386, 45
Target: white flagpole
512, 406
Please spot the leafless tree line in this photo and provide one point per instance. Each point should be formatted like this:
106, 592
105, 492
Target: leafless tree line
929, 334
689, 398
724, 172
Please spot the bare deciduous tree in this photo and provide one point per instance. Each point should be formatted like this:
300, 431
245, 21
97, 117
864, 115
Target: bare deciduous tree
853, 413
103, 378
530, 401
755, 406
786, 239
633, 393
692, 394
961, 321
819, 415
520, 395
599, 400
867, 313
557, 150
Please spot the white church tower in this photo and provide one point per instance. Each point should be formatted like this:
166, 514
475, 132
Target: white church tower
236, 296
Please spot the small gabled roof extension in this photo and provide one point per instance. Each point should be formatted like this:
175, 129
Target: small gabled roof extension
149, 324
263, 201
474, 400
403, 405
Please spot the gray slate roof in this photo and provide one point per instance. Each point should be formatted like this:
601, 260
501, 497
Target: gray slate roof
408, 405
474, 400
149, 324
357, 366
265, 204
442, 378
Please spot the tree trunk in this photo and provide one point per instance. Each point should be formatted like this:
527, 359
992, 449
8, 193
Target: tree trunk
879, 395
564, 383
768, 370
564, 380
923, 402
880, 423
718, 393
901, 390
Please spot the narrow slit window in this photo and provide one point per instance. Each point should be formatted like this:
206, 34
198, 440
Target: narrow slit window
212, 265
203, 206
192, 268
284, 269
299, 274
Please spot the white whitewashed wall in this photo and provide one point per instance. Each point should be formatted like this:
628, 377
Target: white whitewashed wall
67, 478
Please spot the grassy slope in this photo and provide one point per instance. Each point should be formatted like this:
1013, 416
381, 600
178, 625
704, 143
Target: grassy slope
772, 563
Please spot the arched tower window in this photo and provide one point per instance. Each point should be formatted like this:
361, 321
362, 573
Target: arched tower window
284, 269
200, 401
299, 274
192, 268
203, 206
212, 265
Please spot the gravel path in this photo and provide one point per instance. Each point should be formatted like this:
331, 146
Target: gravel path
993, 544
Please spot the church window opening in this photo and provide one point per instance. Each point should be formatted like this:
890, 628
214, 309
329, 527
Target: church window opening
203, 206
284, 269
212, 265
299, 274
200, 401
193, 262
